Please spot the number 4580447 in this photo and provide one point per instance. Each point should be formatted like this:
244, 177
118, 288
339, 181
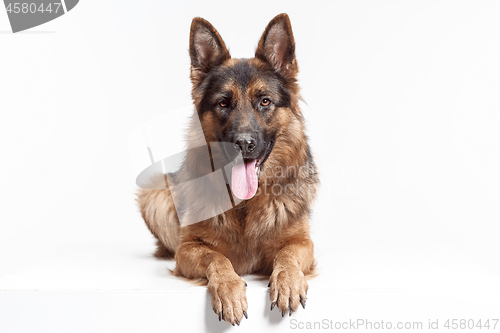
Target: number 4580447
470, 324
24, 7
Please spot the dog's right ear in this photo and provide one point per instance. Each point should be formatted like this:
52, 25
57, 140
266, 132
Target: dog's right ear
206, 47
277, 46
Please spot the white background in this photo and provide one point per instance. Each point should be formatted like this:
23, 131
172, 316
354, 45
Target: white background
403, 117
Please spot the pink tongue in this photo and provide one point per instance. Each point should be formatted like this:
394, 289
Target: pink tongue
244, 181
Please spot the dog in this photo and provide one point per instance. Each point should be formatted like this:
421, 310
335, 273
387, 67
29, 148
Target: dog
254, 105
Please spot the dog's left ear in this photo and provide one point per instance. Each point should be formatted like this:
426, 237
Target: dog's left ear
206, 47
277, 46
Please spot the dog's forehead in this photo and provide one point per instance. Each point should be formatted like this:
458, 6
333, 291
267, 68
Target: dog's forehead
245, 75
241, 73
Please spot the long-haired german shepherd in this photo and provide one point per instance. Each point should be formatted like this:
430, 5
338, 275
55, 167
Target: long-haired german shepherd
253, 104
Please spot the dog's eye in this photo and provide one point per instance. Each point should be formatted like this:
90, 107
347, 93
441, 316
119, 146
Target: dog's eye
265, 102
222, 104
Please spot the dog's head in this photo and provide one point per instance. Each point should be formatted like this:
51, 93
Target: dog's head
246, 102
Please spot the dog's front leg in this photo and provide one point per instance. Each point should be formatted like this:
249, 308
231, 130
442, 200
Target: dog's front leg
228, 290
288, 286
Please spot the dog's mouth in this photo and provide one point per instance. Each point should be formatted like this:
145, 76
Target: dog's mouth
245, 175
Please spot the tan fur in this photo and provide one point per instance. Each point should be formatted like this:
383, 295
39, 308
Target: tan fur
158, 211
268, 234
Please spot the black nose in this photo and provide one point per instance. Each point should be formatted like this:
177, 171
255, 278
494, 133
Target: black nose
246, 144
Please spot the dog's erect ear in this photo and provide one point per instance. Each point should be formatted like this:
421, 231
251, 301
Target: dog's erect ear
277, 46
206, 47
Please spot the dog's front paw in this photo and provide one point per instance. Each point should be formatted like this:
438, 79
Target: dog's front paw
229, 298
288, 288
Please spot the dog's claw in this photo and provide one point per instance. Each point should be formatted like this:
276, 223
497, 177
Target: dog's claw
246, 285
220, 316
245, 314
237, 322
290, 311
303, 301
269, 285
283, 314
